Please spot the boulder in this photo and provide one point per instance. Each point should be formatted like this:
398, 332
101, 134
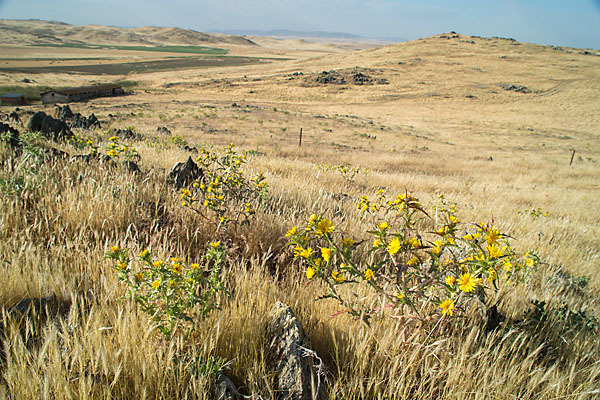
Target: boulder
63, 112
225, 389
131, 166
35, 122
55, 129
163, 130
330, 77
32, 314
184, 174
361, 79
292, 357
10, 134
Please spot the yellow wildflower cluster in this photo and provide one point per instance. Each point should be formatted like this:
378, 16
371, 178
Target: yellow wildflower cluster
83, 142
444, 267
347, 172
116, 150
223, 192
170, 290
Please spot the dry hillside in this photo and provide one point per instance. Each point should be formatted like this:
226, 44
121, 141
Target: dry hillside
507, 131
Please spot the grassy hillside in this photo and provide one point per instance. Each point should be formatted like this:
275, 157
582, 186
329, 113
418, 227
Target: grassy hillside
501, 157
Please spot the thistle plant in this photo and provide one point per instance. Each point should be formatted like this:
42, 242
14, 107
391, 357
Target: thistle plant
83, 142
404, 266
116, 150
345, 170
172, 292
224, 195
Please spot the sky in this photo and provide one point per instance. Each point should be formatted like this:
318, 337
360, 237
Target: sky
574, 23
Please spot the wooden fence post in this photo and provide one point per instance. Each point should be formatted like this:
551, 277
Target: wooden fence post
572, 155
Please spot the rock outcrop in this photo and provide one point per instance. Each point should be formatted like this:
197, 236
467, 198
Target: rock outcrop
184, 174
298, 378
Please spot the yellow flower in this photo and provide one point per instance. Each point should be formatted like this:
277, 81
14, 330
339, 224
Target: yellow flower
468, 237
437, 248
413, 260
115, 248
400, 296
376, 243
382, 226
467, 283
447, 306
338, 276
310, 272
369, 274
144, 253
122, 265
139, 276
529, 262
299, 251
214, 245
324, 227
185, 193
394, 246
347, 242
454, 220
158, 263
112, 153
493, 234
291, 232
326, 253
495, 251
414, 243
171, 283
195, 266
492, 275
156, 284
311, 222
507, 265
450, 279
177, 268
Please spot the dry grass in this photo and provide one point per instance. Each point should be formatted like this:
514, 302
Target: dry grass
56, 231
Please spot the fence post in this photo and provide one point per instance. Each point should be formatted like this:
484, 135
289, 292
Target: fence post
572, 155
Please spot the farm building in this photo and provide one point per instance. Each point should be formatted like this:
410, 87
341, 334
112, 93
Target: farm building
80, 93
12, 99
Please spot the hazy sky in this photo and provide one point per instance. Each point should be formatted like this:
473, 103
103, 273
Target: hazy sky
567, 22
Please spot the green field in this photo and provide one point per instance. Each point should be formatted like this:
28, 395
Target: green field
142, 66
161, 49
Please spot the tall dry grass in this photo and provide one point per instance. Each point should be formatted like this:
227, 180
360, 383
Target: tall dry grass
57, 226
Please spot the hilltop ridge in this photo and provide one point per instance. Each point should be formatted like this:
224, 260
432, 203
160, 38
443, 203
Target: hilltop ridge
55, 32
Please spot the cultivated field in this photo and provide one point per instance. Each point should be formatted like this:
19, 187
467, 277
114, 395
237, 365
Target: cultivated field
489, 123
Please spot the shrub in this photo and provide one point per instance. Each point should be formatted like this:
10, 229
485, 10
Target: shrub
224, 195
404, 265
170, 291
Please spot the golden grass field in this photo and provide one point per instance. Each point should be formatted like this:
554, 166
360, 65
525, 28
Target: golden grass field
443, 125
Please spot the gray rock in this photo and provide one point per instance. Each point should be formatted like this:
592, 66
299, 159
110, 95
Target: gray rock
225, 389
64, 112
55, 129
32, 314
10, 135
184, 174
35, 122
331, 77
292, 357
131, 166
